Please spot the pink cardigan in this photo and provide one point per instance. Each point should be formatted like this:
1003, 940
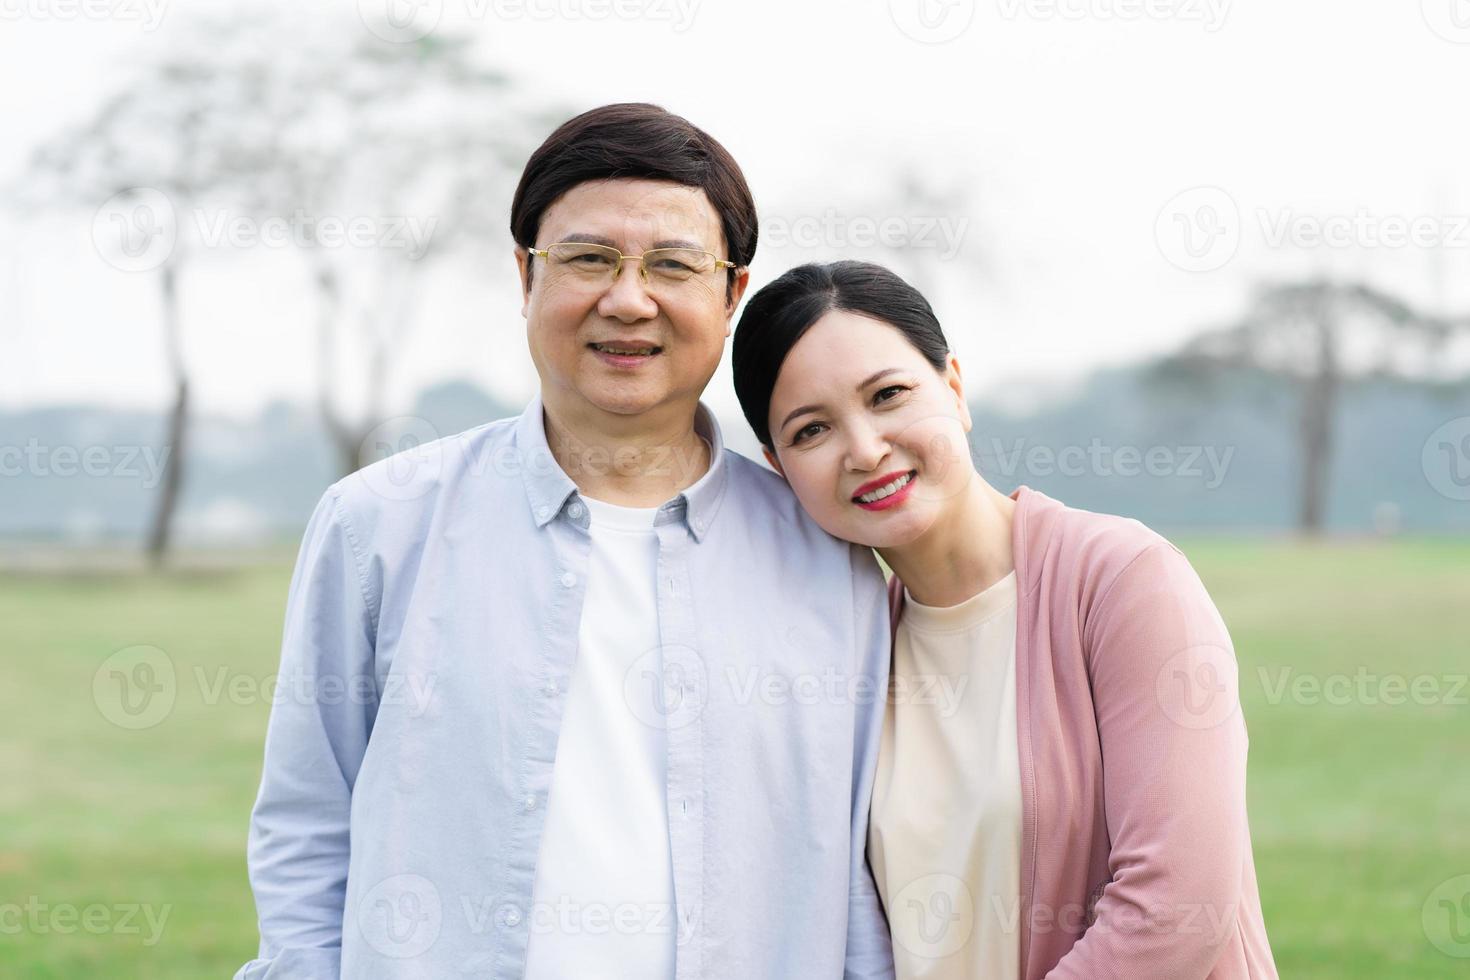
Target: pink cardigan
1135, 851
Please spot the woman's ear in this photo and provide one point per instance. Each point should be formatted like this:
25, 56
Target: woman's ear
775, 463
957, 387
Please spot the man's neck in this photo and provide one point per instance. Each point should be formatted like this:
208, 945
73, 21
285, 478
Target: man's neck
633, 461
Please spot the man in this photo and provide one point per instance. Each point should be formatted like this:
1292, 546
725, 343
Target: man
594, 697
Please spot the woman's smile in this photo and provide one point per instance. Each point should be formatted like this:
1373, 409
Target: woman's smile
886, 491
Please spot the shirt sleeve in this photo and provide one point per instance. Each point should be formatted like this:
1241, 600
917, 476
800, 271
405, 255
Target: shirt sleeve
869, 948
1165, 690
323, 711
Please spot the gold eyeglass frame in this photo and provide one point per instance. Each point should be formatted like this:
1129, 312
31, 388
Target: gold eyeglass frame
545, 255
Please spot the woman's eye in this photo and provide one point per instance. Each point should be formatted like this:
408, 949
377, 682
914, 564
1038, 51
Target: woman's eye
893, 388
807, 431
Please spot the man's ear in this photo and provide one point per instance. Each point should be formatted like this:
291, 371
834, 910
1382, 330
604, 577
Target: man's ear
523, 273
957, 387
737, 290
775, 463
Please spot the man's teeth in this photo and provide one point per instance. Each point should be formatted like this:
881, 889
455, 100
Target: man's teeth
606, 349
887, 490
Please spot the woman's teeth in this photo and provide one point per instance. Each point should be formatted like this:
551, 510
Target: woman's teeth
888, 489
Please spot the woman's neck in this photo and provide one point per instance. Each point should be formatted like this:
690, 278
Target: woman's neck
967, 550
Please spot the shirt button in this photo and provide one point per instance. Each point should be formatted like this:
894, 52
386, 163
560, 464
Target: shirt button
550, 689
568, 579
575, 510
541, 512
512, 916
530, 802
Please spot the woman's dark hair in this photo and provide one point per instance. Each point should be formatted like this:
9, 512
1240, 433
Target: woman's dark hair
639, 141
776, 318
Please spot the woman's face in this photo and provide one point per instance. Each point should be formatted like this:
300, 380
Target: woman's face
857, 409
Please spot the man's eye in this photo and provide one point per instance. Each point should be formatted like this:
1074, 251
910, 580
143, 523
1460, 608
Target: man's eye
590, 258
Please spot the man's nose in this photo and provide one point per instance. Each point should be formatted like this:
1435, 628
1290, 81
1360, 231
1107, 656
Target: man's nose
627, 299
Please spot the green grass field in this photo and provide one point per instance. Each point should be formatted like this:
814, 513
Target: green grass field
1359, 808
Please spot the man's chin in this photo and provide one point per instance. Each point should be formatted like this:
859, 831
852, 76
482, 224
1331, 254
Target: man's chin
634, 398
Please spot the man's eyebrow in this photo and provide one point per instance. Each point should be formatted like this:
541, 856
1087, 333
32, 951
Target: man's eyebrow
590, 239
586, 238
877, 375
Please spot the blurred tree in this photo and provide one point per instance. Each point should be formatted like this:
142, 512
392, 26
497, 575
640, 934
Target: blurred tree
375, 157
1320, 335
418, 145
157, 150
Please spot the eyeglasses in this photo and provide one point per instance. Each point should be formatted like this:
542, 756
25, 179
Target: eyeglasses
600, 265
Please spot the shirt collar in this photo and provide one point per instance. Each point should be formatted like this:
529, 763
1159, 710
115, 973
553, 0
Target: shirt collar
548, 486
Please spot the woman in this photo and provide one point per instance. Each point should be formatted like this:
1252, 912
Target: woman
1060, 789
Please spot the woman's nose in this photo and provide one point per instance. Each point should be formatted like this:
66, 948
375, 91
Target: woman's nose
866, 449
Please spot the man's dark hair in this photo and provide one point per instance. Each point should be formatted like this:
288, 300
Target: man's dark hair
778, 315
636, 140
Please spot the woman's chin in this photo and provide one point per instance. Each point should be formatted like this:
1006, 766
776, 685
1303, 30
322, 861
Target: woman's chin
879, 530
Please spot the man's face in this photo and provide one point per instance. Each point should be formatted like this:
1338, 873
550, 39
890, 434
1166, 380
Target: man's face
575, 324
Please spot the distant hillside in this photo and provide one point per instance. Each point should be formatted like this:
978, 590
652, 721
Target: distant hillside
1225, 456
246, 482
1194, 459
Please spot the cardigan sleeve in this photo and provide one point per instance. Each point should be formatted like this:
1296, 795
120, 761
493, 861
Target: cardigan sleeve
1165, 690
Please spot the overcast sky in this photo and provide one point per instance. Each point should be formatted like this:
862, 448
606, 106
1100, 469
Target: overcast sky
1131, 168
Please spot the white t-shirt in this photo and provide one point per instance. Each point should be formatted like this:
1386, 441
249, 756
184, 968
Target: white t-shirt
603, 901
944, 836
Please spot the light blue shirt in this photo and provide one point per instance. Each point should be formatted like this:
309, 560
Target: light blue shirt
430, 635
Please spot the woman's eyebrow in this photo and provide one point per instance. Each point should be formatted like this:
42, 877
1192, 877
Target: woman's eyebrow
875, 376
